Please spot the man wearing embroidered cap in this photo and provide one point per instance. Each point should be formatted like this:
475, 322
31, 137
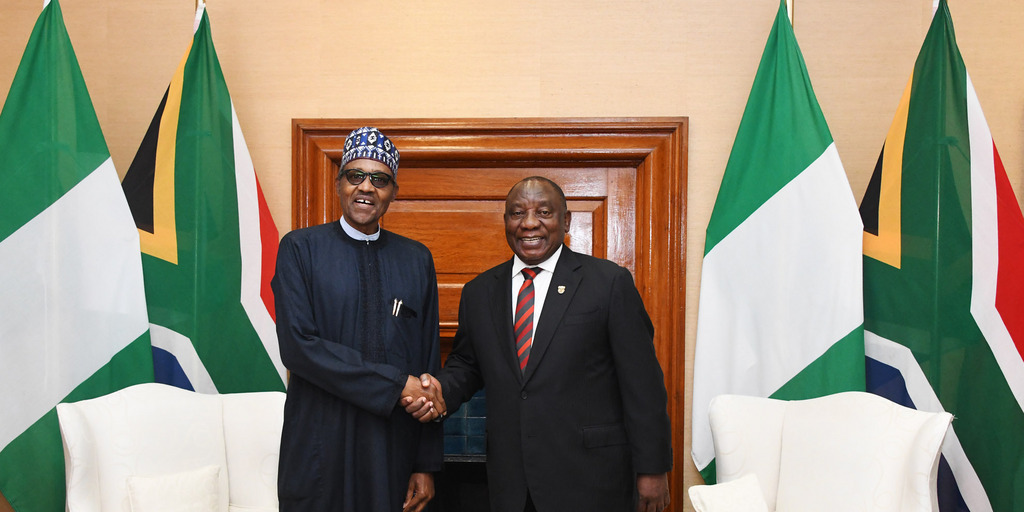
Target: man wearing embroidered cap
357, 320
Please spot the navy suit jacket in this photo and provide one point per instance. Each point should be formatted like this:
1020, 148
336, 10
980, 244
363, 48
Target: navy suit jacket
590, 410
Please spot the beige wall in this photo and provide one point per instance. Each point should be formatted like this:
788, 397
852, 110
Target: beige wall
570, 58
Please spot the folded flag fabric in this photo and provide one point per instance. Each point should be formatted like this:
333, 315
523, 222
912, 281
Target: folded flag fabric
209, 243
74, 322
943, 281
781, 309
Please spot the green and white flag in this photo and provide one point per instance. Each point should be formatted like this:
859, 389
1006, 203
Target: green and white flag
74, 320
209, 243
781, 311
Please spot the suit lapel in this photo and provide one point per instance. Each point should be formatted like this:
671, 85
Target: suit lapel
564, 283
501, 313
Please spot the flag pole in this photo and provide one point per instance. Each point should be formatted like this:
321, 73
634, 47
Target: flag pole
195, 23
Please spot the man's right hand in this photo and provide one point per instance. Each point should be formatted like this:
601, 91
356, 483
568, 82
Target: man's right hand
426, 403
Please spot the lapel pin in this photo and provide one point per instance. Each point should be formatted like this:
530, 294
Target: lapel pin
561, 290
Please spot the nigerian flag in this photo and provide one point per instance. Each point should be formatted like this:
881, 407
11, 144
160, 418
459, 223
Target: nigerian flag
943, 281
209, 244
73, 323
781, 312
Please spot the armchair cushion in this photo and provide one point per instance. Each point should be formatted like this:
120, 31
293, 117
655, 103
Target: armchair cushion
740, 495
188, 491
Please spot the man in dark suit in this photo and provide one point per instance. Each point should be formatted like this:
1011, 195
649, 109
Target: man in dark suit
576, 407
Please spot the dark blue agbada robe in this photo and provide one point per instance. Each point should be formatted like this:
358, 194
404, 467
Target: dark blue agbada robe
346, 446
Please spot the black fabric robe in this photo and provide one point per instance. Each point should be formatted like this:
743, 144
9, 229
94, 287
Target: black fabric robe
346, 445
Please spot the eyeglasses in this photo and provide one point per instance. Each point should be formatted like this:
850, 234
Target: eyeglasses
357, 176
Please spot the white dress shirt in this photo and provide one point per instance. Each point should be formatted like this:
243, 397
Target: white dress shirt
356, 234
540, 283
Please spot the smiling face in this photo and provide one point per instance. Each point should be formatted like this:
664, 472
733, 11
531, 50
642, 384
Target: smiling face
536, 220
363, 204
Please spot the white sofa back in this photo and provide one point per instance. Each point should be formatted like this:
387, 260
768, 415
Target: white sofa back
252, 439
844, 452
126, 448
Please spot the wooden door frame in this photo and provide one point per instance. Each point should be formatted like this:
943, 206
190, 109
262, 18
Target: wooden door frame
656, 147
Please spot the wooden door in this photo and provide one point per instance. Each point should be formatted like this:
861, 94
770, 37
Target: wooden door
624, 179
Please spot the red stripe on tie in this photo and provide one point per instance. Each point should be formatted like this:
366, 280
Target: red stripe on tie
523, 318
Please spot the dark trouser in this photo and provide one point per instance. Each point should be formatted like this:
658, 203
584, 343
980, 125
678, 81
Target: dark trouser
529, 504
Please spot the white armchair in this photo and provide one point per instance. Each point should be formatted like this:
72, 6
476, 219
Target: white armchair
153, 447
844, 452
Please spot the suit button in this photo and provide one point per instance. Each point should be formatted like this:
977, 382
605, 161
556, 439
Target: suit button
523, 396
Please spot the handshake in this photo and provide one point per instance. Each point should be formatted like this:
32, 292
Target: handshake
422, 398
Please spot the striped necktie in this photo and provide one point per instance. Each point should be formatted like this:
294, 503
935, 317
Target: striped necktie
524, 317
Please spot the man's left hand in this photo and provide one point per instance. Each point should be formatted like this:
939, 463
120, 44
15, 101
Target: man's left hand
421, 491
653, 491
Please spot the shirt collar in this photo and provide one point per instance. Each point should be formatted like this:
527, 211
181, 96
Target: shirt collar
548, 264
356, 234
